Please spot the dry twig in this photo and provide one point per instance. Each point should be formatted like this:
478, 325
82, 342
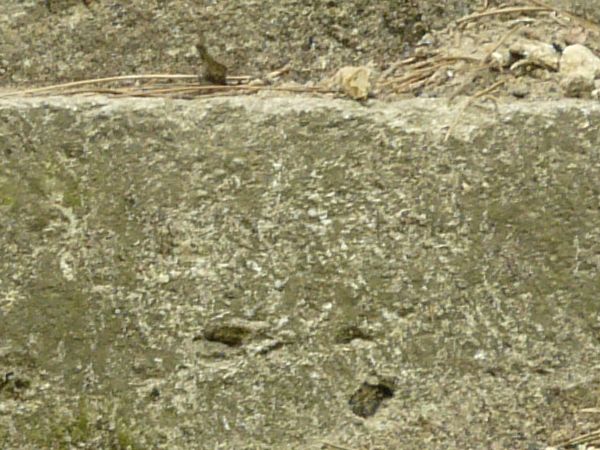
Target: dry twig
337, 446
100, 80
422, 72
588, 438
152, 90
509, 10
501, 41
581, 21
481, 94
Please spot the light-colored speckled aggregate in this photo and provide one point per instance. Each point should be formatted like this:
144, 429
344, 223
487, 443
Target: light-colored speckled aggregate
227, 273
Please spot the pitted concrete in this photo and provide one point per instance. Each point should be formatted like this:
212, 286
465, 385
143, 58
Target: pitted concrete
256, 272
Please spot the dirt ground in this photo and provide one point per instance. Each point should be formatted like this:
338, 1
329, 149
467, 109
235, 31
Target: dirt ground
388, 288
413, 48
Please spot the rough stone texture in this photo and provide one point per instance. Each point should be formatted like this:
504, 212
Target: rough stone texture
230, 273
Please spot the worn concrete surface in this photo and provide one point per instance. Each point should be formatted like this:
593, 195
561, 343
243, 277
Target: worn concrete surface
229, 273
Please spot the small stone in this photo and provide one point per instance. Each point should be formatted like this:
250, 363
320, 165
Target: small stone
579, 67
352, 81
578, 57
577, 85
535, 53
